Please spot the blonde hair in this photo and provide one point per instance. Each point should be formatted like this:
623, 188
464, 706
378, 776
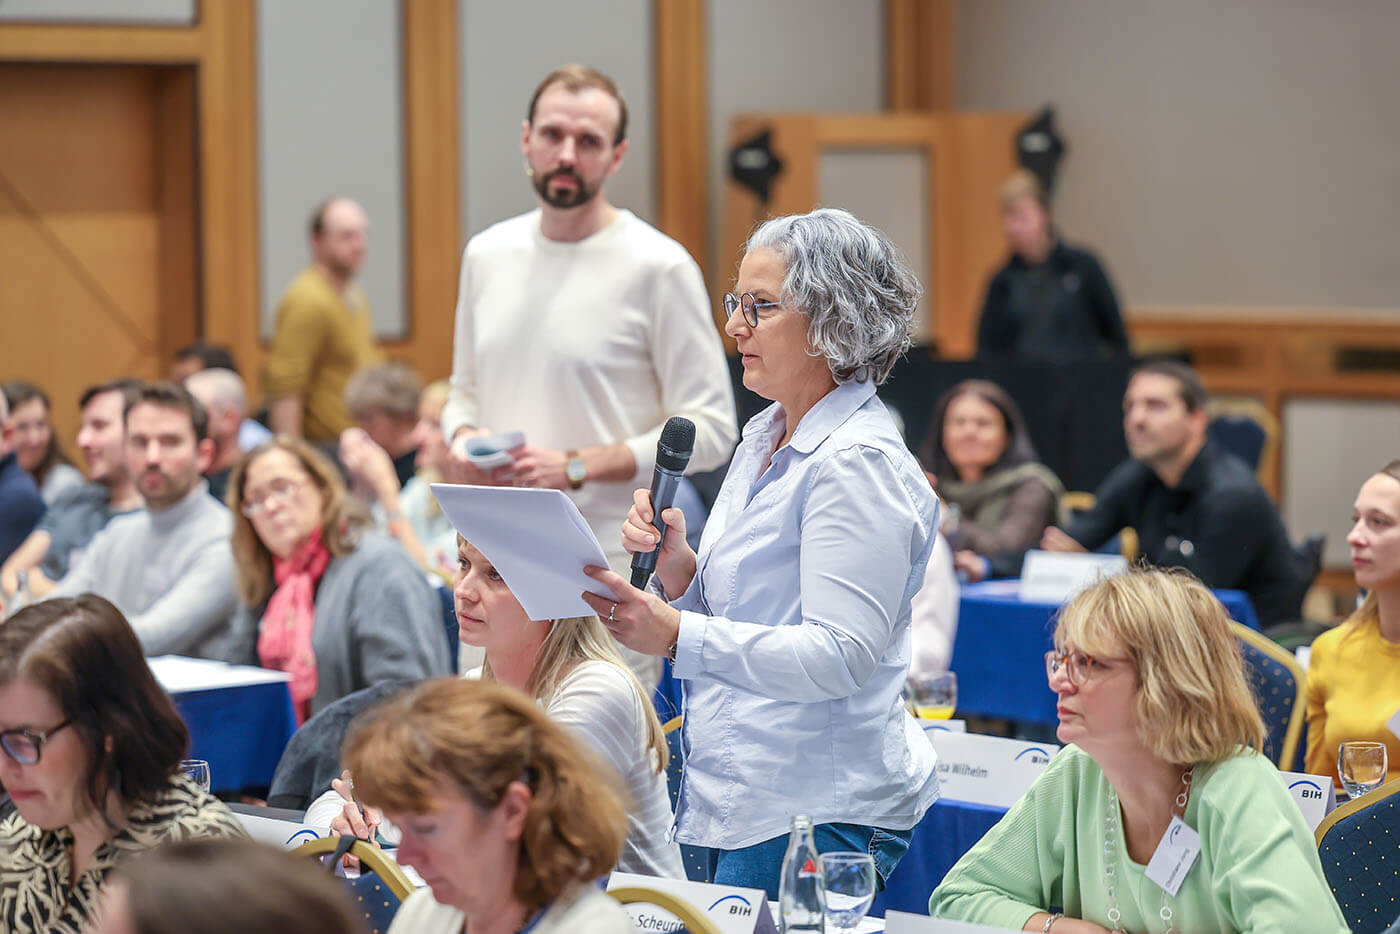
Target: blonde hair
572, 641
480, 737
342, 519
1023, 184
1193, 701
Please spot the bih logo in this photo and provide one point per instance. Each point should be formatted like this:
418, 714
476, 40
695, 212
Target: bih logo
740, 905
1309, 789
1037, 755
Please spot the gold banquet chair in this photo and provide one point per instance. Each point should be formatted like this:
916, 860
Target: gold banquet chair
1076, 501
693, 918
1279, 685
1356, 844
382, 886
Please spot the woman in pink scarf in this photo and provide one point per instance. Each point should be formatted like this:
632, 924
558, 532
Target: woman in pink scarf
335, 605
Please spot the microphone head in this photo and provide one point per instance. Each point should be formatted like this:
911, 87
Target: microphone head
677, 443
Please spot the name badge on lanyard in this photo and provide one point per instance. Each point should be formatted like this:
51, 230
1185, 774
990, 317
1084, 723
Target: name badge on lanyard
1174, 856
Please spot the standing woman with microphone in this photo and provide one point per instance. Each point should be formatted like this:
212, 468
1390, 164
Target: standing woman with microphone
790, 629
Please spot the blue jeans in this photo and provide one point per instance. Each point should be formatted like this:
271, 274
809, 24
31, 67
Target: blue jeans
759, 866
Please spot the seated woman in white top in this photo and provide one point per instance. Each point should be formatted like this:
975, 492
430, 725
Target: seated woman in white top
502, 813
572, 668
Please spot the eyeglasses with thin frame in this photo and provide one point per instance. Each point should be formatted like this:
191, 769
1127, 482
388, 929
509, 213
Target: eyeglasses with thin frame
281, 489
1078, 665
746, 302
25, 746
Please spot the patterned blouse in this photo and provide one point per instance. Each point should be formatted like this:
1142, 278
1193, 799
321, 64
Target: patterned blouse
36, 891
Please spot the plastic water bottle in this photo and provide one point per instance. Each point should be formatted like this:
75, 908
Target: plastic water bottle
800, 887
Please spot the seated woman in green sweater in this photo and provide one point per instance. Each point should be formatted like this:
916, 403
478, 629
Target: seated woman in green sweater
1164, 731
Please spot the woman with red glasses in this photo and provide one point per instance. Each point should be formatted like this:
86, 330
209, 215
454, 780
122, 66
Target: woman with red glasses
90, 750
1163, 761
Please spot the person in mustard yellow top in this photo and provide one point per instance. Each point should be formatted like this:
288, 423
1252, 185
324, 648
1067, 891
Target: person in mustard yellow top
323, 329
1354, 671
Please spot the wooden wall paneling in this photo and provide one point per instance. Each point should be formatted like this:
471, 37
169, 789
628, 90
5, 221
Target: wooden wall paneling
228, 181
681, 52
177, 203
432, 188
143, 45
920, 56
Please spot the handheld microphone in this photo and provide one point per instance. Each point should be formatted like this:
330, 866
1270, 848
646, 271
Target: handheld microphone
673, 452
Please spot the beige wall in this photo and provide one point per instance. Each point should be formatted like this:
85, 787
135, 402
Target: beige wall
1220, 153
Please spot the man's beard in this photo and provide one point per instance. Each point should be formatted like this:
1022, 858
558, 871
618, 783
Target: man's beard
580, 195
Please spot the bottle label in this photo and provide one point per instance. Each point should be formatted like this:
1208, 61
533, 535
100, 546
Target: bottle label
809, 869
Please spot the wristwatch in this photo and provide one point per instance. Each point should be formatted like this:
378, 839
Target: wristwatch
575, 470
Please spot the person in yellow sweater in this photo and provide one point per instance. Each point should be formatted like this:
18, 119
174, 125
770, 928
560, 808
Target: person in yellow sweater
1354, 670
323, 330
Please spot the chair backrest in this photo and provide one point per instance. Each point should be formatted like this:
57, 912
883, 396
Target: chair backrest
450, 625
1356, 845
1278, 682
1244, 427
312, 756
693, 918
382, 885
695, 859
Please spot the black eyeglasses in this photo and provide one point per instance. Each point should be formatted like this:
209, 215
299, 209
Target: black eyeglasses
25, 745
748, 303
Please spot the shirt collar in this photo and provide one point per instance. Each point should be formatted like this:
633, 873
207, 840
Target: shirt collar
830, 412
1195, 476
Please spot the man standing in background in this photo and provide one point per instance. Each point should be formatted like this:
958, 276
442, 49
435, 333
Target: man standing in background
583, 327
324, 333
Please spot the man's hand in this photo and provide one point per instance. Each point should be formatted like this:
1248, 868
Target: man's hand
540, 467
370, 465
1056, 540
460, 469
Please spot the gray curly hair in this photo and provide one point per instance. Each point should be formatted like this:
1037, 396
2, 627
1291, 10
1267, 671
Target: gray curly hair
853, 284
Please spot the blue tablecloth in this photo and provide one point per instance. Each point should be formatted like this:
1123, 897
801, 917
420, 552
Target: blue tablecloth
239, 731
999, 651
948, 830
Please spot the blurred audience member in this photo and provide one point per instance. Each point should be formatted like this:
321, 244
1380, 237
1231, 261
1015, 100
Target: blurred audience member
324, 333
36, 447
76, 516
21, 506
1051, 301
90, 750
225, 400
1354, 670
383, 401
411, 515
201, 356
504, 816
1193, 504
933, 613
167, 567
338, 607
984, 464
224, 887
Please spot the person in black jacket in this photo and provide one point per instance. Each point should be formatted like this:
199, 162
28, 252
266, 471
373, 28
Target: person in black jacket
1193, 504
1051, 301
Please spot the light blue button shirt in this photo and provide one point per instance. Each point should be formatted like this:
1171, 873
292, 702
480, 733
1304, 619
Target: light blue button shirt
794, 638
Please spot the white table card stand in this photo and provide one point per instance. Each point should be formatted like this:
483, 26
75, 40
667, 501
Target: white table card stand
1054, 577
733, 910
1313, 794
987, 769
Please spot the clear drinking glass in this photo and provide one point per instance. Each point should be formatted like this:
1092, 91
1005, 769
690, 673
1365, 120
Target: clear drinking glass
848, 888
1362, 767
932, 698
197, 770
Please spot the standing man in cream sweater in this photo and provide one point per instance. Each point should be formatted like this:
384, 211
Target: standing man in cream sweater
583, 326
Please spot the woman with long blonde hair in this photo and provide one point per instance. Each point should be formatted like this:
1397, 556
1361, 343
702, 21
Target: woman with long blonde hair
572, 669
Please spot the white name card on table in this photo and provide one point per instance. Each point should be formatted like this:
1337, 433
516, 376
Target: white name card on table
902, 922
987, 769
1314, 795
732, 910
1054, 577
280, 833
180, 675
943, 726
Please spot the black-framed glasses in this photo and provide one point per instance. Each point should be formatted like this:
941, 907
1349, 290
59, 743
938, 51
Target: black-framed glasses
25, 746
750, 306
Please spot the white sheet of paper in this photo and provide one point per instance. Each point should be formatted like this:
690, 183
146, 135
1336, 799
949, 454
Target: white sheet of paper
180, 675
537, 540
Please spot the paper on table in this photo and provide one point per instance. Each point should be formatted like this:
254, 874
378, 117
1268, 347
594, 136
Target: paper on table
179, 675
537, 539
